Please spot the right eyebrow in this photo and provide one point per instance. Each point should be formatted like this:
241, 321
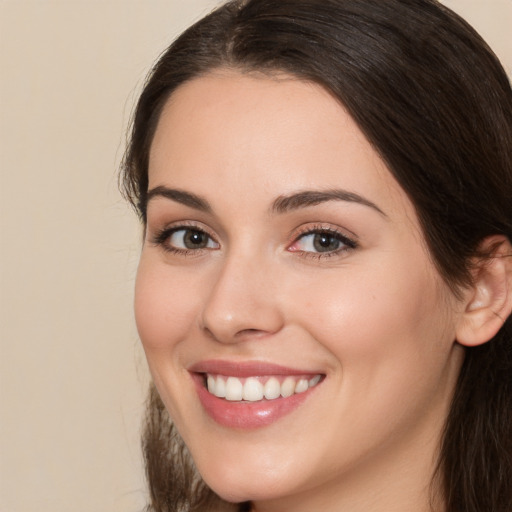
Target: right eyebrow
179, 196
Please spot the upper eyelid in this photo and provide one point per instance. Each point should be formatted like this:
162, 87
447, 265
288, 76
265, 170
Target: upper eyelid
347, 242
176, 226
320, 227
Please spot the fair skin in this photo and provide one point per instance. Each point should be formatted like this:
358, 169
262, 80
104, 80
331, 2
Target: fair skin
341, 286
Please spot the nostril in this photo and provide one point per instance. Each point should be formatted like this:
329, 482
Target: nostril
249, 332
209, 333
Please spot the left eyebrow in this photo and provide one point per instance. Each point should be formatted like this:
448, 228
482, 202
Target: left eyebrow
306, 198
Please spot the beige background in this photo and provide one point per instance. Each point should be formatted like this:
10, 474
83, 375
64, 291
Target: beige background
72, 374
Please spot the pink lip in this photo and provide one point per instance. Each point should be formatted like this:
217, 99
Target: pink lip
246, 369
246, 415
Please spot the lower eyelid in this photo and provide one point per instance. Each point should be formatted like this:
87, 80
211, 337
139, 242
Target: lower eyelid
323, 255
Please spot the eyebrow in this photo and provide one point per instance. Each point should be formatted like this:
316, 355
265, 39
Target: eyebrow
180, 196
307, 198
282, 204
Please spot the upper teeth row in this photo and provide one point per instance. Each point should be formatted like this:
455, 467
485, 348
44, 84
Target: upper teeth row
232, 388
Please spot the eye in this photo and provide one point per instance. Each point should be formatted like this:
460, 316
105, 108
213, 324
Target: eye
184, 239
187, 238
322, 242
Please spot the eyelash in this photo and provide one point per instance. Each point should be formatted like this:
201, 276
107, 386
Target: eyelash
347, 243
161, 239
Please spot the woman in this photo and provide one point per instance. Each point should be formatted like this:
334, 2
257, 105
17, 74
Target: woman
325, 285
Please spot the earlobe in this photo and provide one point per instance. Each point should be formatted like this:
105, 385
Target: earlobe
489, 300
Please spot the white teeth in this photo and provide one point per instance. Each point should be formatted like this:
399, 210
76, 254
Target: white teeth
314, 381
288, 387
272, 389
302, 386
234, 389
210, 381
220, 388
253, 389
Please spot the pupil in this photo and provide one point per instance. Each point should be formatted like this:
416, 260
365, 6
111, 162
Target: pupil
324, 242
195, 239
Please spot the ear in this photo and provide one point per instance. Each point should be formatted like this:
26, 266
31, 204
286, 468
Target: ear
489, 299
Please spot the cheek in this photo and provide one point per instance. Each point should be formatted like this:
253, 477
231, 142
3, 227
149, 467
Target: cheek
165, 314
164, 306
375, 318
390, 342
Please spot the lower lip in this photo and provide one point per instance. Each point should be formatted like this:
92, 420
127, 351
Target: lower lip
246, 415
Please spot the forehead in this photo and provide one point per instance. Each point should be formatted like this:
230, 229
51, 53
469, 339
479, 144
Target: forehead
262, 112
278, 134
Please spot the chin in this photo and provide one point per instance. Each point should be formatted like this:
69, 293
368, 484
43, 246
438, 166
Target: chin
245, 482
238, 491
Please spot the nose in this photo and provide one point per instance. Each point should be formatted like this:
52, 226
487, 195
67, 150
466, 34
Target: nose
243, 303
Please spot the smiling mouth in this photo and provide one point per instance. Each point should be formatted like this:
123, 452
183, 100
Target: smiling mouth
252, 394
258, 388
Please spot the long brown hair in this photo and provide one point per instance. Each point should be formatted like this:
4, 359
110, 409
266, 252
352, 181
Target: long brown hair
433, 100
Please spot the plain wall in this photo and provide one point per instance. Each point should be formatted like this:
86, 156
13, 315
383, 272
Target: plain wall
73, 377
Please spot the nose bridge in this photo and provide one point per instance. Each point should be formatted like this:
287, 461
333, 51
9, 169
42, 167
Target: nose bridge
242, 301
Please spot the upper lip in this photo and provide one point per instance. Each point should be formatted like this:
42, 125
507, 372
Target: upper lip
246, 368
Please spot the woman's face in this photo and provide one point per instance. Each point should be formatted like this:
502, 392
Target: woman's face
282, 260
